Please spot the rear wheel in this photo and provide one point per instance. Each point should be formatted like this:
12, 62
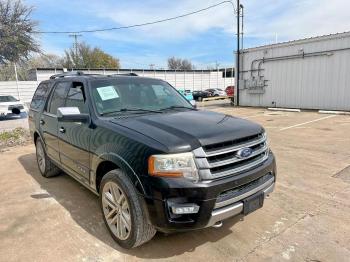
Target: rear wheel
122, 211
46, 166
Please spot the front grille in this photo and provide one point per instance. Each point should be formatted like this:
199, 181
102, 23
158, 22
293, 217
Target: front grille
221, 159
237, 194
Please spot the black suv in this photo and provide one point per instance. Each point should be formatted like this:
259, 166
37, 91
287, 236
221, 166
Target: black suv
156, 162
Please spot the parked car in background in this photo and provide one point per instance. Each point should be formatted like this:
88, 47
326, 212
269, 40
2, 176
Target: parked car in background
11, 106
230, 91
199, 95
186, 93
216, 92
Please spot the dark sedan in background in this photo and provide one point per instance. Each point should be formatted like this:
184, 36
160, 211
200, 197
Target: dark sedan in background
199, 95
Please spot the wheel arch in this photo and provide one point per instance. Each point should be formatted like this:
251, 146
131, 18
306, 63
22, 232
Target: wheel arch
107, 162
36, 135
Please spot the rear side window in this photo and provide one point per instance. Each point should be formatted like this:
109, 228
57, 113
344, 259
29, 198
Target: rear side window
58, 97
76, 97
39, 97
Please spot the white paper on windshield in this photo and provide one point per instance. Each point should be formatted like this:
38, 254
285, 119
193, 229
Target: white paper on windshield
107, 92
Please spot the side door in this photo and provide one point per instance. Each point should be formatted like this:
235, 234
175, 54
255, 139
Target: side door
74, 137
48, 120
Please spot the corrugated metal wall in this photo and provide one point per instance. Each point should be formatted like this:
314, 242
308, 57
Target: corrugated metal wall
312, 73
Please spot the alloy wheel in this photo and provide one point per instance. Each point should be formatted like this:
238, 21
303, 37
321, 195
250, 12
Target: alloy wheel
116, 210
40, 156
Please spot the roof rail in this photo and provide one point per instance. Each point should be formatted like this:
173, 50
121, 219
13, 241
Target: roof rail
126, 74
67, 74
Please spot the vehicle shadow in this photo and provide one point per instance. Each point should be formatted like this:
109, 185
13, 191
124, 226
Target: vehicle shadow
14, 117
83, 207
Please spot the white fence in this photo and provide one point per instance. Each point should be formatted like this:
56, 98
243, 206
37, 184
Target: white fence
23, 90
192, 80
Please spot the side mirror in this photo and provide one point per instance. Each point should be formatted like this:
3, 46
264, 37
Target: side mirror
71, 114
193, 103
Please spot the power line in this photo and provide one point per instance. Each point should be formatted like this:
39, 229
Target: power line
137, 25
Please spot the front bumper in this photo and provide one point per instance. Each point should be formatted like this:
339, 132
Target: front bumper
236, 206
212, 198
6, 112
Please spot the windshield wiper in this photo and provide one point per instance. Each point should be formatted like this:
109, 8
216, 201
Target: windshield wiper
178, 107
141, 110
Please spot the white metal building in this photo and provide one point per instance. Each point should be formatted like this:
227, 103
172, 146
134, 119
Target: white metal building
192, 79
312, 73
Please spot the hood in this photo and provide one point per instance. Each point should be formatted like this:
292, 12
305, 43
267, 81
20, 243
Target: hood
14, 103
188, 130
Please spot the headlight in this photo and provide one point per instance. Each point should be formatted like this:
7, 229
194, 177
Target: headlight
173, 165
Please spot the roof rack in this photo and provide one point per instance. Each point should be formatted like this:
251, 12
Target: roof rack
67, 74
80, 73
126, 74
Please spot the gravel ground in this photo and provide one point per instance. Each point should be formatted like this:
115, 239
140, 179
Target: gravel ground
307, 218
11, 122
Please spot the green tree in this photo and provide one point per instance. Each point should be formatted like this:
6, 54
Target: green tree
16, 32
84, 56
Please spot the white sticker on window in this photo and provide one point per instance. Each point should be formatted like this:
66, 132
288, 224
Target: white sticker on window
107, 92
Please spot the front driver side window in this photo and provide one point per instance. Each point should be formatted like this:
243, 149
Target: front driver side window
76, 97
58, 97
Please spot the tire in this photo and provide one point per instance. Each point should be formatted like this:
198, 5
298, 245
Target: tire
46, 167
132, 228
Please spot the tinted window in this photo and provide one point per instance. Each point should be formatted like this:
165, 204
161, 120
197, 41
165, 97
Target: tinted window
39, 97
115, 95
75, 97
58, 97
7, 99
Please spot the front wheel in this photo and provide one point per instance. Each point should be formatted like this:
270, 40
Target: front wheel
122, 211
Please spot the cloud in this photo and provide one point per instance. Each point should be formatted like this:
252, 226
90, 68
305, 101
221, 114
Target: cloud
298, 19
203, 37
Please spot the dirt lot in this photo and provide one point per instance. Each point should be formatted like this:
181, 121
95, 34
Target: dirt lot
307, 218
13, 121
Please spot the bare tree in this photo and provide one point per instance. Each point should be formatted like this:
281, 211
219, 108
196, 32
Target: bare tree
7, 72
179, 64
16, 32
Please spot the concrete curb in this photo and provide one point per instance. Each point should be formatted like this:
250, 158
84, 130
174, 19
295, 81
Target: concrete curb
284, 109
333, 112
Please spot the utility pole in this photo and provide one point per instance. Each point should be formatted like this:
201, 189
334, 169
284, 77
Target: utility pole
238, 49
75, 44
242, 26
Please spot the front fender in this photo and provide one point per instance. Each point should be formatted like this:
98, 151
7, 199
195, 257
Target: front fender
121, 163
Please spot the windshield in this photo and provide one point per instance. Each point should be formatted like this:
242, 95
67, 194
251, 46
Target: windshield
7, 99
132, 93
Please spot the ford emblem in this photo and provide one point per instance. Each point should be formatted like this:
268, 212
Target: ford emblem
244, 152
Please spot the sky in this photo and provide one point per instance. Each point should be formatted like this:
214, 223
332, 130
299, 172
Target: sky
207, 38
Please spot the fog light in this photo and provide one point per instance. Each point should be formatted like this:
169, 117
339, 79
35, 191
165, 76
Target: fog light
185, 209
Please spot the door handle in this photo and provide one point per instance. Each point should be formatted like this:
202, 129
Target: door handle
42, 122
62, 130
